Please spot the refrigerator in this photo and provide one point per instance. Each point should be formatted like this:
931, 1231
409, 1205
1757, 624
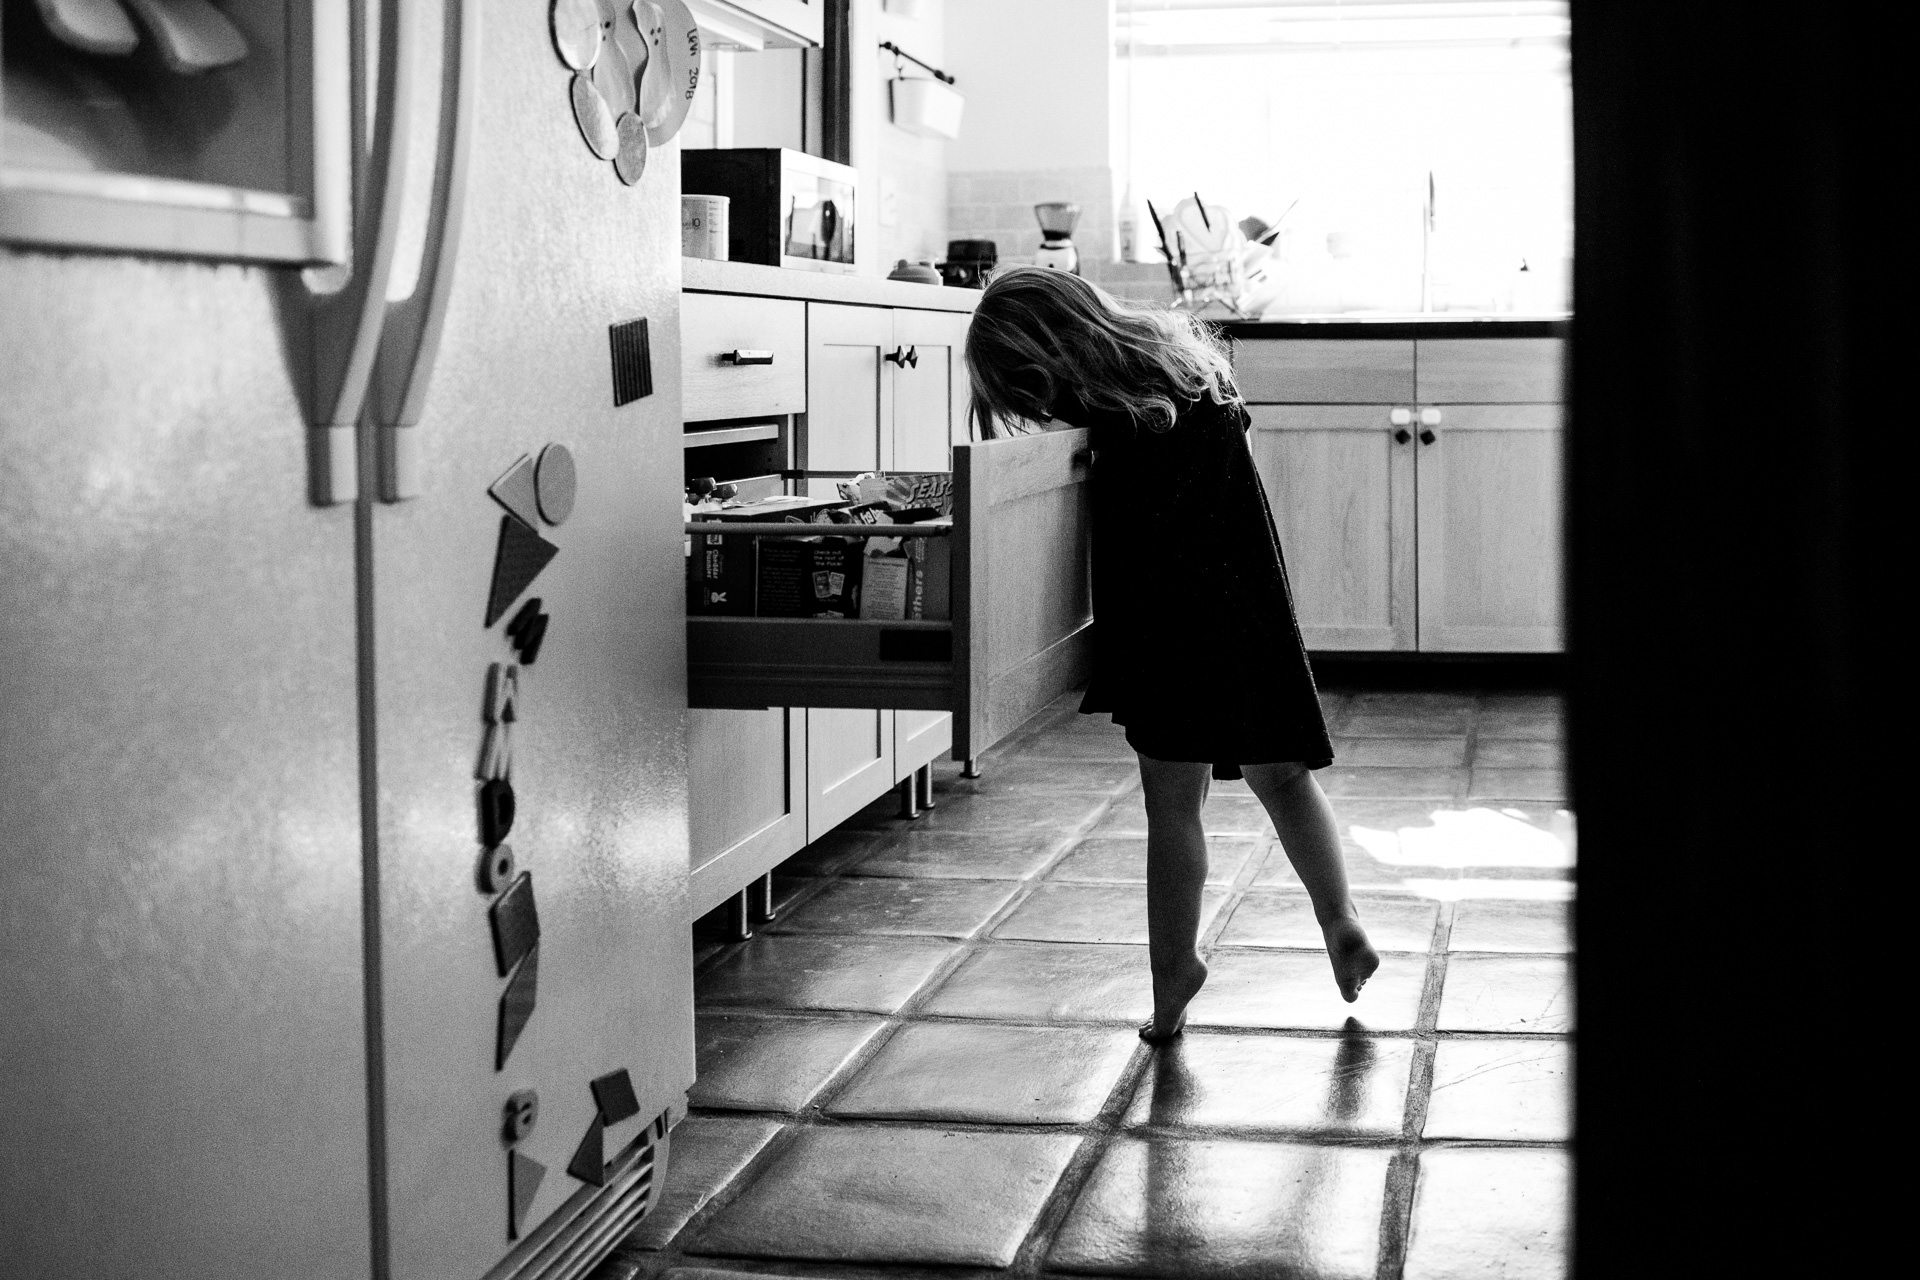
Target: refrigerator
289, 606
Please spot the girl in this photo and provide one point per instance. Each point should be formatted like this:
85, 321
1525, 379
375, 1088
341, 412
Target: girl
1196, 653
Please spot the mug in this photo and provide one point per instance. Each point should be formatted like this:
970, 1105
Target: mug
703, 227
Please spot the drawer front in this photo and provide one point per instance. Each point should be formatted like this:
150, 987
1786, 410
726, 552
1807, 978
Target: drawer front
1490, 370
1324, 371
715, 325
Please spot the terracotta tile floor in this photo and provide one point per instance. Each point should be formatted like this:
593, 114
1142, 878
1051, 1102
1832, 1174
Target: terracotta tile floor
926, 1064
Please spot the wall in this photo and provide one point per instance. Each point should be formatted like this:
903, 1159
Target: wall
909, 183
1038, 80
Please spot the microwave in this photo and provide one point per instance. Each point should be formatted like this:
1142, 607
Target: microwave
784, 208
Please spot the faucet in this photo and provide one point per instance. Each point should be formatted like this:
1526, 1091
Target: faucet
1426, 238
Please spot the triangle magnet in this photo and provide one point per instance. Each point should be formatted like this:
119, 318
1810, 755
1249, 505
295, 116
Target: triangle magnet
522, 555
589, 1163
524, 1175
518, 492
516, 1005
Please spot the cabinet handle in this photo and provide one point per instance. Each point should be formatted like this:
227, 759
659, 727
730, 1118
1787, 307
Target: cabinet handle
742, 355
913, 356
902, 356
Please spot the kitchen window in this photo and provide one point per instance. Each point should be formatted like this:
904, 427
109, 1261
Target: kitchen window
1414, 154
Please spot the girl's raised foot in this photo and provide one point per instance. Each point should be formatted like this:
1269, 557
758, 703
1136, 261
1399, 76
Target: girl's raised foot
1352, 956
1171, 995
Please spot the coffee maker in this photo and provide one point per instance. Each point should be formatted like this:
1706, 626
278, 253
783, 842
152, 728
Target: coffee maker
1056, 236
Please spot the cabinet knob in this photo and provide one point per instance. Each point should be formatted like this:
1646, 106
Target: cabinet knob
742, 355
1400, 417
904, 356
1427, 437
1429, 417
1401, 435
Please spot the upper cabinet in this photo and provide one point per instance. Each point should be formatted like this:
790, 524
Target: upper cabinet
761, 24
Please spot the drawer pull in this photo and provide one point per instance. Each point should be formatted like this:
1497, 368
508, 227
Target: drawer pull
743, 355
916, 646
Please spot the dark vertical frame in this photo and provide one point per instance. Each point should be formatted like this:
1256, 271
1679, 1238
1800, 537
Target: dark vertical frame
1728, 459
829, 89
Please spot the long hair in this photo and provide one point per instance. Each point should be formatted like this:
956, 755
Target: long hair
1039, 334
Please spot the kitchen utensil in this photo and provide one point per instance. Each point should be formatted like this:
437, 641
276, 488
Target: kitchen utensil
91, 26
673, 71
192, 35
613, 74
630, 161
575, 26
914, 272
595, 118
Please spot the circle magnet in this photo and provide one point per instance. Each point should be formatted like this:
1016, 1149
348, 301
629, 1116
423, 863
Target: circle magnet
631, 161
554, 482
496, 869
595, 118
576, 32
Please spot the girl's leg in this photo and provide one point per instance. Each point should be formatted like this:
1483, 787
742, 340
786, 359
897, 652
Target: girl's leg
1311, 837
1176, 870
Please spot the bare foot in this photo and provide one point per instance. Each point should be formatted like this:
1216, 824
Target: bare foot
1171, 994
1352, 956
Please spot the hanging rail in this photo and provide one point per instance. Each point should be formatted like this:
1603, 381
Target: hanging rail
898, 52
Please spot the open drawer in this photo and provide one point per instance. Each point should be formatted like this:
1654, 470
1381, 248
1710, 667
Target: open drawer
1022, 609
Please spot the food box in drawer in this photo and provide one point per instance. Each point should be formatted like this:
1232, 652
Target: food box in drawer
1016, 558
742, 357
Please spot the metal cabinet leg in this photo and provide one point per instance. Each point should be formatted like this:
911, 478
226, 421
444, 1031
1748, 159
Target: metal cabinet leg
972, 767
763, 908
909, 797
923, 779
739, 918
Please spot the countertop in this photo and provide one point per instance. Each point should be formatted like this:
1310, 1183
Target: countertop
1403, 324
704, 275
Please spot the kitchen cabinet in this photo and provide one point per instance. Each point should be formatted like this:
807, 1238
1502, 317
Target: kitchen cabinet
1415, 480
843, 385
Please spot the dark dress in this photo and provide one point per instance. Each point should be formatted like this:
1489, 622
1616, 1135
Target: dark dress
1195, 647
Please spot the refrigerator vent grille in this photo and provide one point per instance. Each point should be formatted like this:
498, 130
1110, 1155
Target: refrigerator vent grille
581, 1232
632, 361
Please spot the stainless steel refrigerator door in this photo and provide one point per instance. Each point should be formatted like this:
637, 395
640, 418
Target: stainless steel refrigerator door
183, 1050
555, 249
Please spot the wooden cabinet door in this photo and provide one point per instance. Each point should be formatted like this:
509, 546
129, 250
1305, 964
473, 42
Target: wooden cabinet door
930, 396
849, 424
1342, 491
747, 799
1490, 530
849, 427
925, 397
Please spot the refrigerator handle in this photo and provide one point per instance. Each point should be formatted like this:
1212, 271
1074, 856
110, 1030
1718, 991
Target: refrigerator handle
411, 336
346, 306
